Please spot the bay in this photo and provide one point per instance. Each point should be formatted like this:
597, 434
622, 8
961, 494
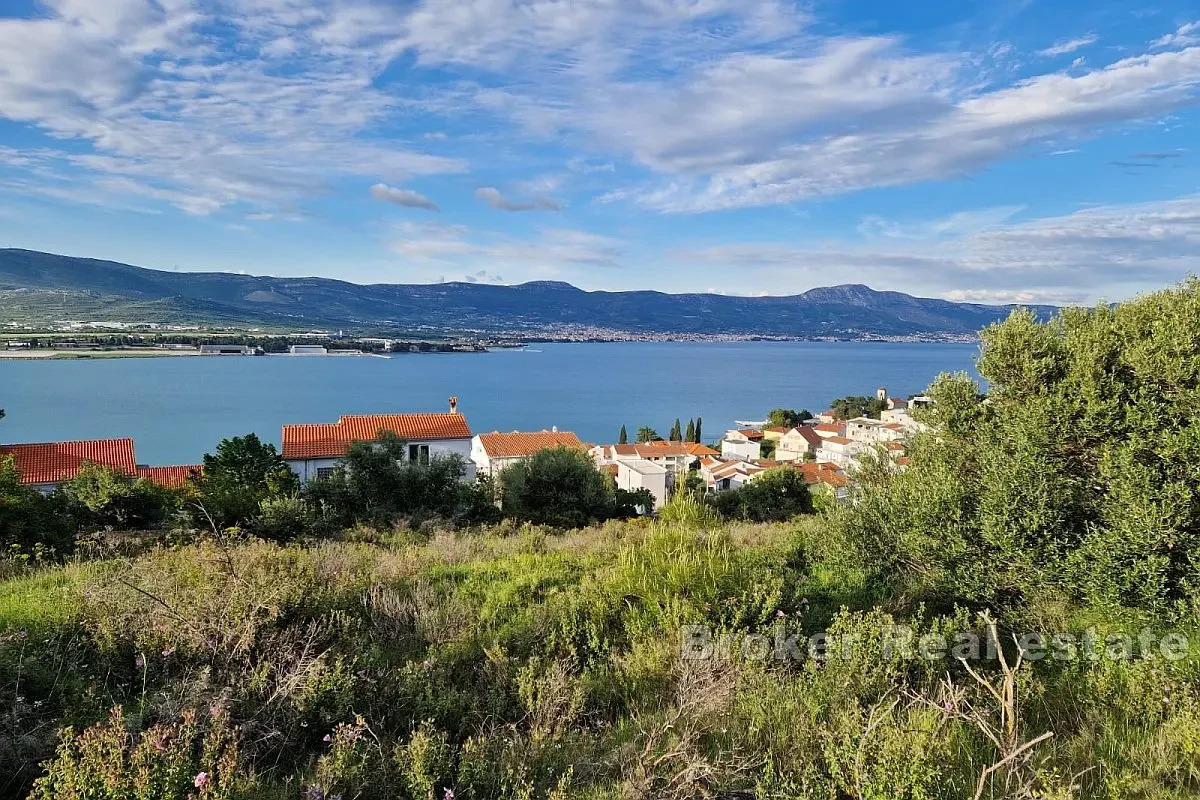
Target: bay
178, 408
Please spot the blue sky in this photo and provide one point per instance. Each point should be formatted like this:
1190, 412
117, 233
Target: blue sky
994, 151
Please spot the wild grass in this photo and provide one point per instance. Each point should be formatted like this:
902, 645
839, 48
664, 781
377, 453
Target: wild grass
520, 662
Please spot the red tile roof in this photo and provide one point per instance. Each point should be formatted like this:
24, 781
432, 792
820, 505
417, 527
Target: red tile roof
54, 462
822, 473
174, 477
751, 434
828, 427
837, 440
333, 440
517, 443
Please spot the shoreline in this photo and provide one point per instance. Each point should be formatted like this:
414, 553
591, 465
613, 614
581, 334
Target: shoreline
100, 355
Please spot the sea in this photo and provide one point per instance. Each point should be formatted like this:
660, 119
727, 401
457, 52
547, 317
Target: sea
178, 408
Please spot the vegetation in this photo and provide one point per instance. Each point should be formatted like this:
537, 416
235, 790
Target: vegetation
562, 488
787, 417
886, 649
775, 496
857, 406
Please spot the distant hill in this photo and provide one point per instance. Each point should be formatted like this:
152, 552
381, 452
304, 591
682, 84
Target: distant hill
63, 287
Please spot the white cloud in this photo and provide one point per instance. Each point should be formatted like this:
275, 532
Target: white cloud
176, 114
1106, 251
551, 249
492, 196
1064, 46
1185, 36
402, 197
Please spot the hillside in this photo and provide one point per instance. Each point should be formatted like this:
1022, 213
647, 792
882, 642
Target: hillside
60, 287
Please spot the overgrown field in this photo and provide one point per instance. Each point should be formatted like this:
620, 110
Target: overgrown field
536, 664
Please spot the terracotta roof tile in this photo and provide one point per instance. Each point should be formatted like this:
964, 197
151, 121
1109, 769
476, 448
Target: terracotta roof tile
54, 462
333, 440
174, 477
517, 443
837, 440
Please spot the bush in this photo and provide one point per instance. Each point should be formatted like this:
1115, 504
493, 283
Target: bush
101, 497
773, 496
560, 487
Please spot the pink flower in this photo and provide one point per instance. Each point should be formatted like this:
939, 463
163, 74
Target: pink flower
448, 794
780, 613
201, 780
329, 737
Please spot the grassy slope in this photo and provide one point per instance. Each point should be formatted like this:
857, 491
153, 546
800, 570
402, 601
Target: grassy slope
531, 664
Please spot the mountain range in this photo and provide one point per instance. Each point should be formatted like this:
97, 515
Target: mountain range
42, 287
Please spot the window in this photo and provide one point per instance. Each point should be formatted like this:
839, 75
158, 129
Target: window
418, 452
325, 472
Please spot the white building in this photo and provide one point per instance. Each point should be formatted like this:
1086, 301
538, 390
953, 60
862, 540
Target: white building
840, 450
866, 429
226, 350
314, 451
492, 452
308, 350
744, 444
638, 473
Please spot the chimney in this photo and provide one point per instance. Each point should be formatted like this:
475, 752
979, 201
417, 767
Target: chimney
453, 405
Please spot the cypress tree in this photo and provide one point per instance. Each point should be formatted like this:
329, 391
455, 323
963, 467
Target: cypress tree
624, 437
676, 432
690, 436
699, 432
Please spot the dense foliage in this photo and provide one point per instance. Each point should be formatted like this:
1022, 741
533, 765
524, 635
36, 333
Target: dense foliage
857, 406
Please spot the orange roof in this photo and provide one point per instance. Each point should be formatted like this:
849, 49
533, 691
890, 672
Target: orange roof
837, 440
697, 449
333, 440
169, 477
751, 434
779, 429
653, 450
54, 462
828, 427
516, 444
892, 445
894, 426
822, 473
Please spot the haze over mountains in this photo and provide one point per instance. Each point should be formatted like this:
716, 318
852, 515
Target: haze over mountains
45, 287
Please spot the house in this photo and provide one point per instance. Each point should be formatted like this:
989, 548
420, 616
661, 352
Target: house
639, 473
492, 452
797, 443
315, 450
675, 457
826, 417
825, 477
828, 429
46, 465
840, 450
866, 429
724, 475
308, 350
744, 444
173, 477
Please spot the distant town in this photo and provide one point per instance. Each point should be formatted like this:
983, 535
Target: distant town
825, 448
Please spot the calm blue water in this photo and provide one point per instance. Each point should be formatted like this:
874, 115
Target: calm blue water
176, 409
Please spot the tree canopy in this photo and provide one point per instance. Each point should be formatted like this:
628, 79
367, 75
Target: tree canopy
1076, 475
786, 417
